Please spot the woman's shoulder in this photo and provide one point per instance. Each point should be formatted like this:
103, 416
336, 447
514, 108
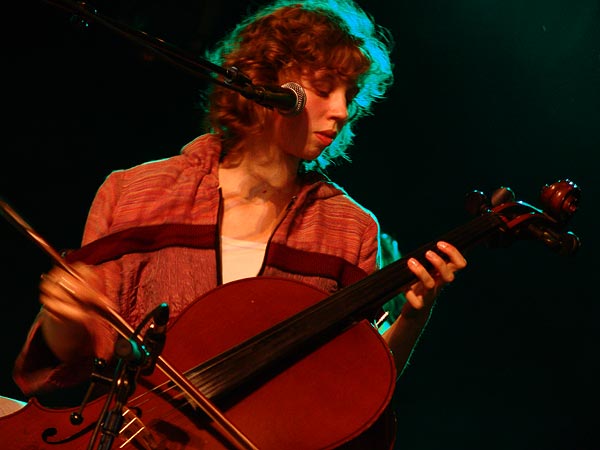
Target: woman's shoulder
200, 155
334, 193
333, 201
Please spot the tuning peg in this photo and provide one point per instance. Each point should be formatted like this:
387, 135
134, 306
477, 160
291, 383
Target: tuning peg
502, 195
561, 199
476, 203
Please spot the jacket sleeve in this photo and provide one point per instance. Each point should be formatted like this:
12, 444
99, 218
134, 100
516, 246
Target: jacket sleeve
370, 254
37, 370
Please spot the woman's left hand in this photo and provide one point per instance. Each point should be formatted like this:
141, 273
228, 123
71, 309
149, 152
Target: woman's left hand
421, 295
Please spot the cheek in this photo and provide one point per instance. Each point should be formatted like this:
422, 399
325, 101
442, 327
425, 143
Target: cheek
293, 132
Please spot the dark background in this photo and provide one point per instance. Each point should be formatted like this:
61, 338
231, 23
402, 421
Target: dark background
487, 93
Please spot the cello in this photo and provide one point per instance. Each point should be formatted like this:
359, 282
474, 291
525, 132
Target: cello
306, 372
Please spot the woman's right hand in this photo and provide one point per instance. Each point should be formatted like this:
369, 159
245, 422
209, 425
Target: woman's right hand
68, 319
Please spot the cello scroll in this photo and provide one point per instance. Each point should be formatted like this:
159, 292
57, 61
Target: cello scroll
521, 220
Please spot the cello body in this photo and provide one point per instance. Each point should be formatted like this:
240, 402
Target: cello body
334, 396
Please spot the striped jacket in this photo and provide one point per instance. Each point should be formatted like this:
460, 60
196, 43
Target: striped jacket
152, 233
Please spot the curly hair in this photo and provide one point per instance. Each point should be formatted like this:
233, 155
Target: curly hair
300, 38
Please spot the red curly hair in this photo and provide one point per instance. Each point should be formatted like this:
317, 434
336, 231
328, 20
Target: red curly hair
297, 40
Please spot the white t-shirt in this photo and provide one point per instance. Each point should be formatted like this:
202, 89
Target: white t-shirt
241, 259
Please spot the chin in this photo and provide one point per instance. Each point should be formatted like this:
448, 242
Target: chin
314, 153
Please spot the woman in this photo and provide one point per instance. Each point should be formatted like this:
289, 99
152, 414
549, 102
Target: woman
248, 198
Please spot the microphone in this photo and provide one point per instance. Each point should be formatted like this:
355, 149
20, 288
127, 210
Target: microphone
288, 99
155, 337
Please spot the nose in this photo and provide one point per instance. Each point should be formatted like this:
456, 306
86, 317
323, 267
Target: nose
338, 106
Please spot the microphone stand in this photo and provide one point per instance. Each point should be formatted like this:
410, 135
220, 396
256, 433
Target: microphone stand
110, 421
231, 78
133, 360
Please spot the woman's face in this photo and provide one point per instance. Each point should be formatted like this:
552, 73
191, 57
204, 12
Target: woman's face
306, 135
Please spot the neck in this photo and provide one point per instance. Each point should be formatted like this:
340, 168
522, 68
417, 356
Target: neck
260, 173
256, 195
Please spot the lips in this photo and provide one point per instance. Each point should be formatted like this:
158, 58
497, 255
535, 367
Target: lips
326, 137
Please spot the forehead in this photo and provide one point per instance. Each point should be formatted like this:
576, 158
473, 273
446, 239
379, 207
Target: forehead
329, 76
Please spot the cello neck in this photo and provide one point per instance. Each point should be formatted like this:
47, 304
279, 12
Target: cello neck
325, 319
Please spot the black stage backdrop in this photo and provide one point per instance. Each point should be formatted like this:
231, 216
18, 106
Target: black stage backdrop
487, 93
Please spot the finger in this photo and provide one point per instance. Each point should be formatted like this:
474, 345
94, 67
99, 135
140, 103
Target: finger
79, 284
66, 295
416, 301
64, 311
443, 270
421, 273
454, 255
59, 300
51, 287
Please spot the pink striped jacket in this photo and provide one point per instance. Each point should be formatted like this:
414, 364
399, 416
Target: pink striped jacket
152, 232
